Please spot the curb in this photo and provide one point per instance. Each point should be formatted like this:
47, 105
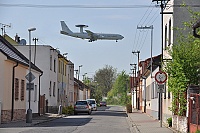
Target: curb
132, 125
48, 120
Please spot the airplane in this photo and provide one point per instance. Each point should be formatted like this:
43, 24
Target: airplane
88, 34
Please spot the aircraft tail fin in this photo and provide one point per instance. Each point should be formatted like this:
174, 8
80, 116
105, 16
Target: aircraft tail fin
65, 28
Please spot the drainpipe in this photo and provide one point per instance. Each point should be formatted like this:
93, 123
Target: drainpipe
39, 94
13, 91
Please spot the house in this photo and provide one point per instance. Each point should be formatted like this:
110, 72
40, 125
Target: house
81, 90
71, 92
46, 58
65, 81
174, 17
149, 100
14, 98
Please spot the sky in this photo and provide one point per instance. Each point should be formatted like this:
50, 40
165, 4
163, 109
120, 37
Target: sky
117, 17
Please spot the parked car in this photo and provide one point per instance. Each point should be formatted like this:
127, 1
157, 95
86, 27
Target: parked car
82, 106
103, 103
93, 103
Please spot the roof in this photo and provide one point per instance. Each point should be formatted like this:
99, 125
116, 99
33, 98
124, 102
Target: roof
13, 54
81, 84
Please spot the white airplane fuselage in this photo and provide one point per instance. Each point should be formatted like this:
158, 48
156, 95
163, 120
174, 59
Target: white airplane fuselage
89, 35
101, 36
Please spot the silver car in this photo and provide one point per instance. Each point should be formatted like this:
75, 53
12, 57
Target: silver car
93, 104
82, 106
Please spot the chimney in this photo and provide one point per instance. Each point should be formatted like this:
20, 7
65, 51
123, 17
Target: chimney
17, 38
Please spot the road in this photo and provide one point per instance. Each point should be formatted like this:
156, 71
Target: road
111, 119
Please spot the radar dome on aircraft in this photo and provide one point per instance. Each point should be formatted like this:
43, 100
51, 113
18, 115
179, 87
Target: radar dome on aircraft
81, 26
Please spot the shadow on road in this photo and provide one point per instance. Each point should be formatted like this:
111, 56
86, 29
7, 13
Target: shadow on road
66, 122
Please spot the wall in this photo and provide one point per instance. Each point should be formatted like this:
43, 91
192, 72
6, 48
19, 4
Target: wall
42, 61
6, 90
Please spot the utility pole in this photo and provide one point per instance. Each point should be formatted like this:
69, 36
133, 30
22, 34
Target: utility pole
162, 6
149, 27
35, 40
138, 99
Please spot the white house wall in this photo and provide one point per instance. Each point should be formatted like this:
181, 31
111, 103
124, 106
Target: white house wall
34, 93
70, 80
152, 102
43, 53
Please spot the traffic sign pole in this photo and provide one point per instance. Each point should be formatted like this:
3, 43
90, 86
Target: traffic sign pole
161, 78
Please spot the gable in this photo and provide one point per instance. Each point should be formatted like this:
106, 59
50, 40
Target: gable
13, 54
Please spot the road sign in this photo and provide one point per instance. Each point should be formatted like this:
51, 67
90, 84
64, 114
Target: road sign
160, 77
161, 88
32, 77
32, 86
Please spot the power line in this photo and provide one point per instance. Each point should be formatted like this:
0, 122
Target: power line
145, 13
76, 6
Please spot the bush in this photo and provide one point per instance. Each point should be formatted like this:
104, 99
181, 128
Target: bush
169, 121
128, 108
69, 110
198, 131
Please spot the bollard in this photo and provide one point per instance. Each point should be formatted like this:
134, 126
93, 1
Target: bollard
60, 109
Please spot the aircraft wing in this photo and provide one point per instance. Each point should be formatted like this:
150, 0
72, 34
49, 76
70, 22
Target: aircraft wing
93, 36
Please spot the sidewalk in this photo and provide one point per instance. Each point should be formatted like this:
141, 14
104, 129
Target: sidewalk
142, 123
35, 120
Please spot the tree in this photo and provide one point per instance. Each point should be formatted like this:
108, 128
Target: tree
105, 78
118, 94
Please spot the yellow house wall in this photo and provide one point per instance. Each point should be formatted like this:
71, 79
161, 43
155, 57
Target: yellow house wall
20, 73
2, 78
6, 84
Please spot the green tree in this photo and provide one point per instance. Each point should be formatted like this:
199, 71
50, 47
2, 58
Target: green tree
118, 94
104, 78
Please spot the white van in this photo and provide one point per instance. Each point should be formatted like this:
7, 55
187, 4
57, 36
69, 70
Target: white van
93, 104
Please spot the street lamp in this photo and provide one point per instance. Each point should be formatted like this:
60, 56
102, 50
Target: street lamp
79, 70
29, 111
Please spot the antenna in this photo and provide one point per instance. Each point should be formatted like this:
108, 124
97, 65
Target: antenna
4, 26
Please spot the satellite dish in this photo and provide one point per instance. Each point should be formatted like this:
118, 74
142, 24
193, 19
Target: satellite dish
22, 42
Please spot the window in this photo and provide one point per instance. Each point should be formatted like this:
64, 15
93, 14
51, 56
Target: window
59, 67
58, 96
152, 90
54, 88
148, 93
35, 95
16, 89
54, 65
165, 37
156, 90
71, 96
154, 93
50, 89
170, 29
22, 89
65, 70
50, 62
